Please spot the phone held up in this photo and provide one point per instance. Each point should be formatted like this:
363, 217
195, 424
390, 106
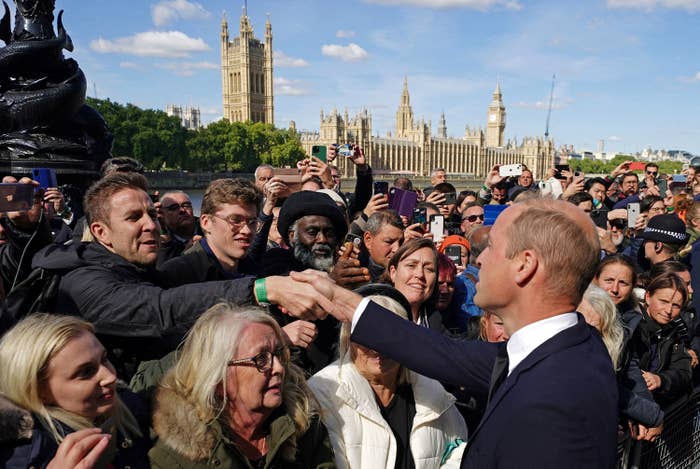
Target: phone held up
506, 170
381, 187
437, 226
633, 211
320, 152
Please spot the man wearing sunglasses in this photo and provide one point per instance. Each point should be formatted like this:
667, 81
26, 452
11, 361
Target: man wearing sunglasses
472, 216
179, 224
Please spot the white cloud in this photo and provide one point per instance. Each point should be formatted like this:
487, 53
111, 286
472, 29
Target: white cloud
283, 60
169, 44
481, 5
287, 87
350, 53
556, 104
168, 11
693, 79
614, 138
344, 33
187, 69
648, 5
132, 65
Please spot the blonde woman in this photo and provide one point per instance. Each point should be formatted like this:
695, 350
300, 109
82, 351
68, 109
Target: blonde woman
600, 312
234, 400
382, 415
61, 400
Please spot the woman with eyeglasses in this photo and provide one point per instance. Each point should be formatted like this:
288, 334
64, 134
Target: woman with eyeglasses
234, 400
60, 405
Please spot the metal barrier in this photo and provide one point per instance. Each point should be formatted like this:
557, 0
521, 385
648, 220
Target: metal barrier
678, 447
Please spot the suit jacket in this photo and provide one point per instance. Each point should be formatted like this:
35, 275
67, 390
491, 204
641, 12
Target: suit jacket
557, 408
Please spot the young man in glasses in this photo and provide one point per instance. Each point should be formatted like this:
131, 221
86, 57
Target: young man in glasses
472, 216
229, 221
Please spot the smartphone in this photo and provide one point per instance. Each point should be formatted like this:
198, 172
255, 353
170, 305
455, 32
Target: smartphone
381, 187
419, 216
46, 177
346, 150
437, 226
450, 198
353, 238
636, 166
402, 201
15, 197
662, 184
510, 170
319, 151
559, 168
291, 177
454, 252
632, 214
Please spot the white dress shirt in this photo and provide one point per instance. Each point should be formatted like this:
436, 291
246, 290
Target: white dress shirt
528, 338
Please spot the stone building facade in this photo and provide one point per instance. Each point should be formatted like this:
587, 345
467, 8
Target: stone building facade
413, 150
190, 116
246, 72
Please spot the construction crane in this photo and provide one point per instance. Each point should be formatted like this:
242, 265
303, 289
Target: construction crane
549, 110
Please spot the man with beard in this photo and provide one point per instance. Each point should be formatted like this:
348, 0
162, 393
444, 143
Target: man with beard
313, 226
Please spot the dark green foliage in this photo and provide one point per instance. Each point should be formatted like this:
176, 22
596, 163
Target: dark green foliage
159, 141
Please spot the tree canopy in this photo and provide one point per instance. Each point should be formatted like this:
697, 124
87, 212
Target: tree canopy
159, 141
588, 166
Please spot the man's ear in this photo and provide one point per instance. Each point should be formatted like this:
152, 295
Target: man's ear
290, 236
526, 267
101, 232
366, 238
204, 222
658, 247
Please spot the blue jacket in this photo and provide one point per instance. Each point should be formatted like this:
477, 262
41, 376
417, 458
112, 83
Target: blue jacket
557, 408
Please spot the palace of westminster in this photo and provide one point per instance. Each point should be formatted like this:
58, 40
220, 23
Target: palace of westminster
247, 68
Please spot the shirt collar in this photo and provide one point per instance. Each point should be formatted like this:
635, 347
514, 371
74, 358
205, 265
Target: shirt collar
528, 338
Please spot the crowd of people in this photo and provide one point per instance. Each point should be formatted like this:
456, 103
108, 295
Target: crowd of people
301, 326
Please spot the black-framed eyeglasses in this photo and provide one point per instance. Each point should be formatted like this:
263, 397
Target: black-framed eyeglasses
263, 361
473, 218
177, 207
237, 222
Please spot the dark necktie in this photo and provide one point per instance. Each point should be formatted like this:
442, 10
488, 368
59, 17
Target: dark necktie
499, 373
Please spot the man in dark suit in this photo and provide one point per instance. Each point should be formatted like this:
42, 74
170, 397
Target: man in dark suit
552, 395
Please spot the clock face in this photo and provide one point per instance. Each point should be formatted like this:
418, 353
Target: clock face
492, 117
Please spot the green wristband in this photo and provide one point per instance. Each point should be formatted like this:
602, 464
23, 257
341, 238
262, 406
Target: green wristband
261, 291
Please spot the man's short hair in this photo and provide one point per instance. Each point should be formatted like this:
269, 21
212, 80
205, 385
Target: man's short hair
121, 164
580, 197
629, 174
597, 180
470, 205
445, 188
404, 183
230, 191
650, 165
97, 197
436, 170
263, 166
378, 220
171, 192
546, 227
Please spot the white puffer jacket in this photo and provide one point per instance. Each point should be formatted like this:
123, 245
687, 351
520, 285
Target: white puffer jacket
360, 436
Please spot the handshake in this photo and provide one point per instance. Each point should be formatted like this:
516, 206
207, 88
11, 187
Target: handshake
308, 295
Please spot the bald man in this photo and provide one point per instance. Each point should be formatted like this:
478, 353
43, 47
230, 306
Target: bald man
551, 389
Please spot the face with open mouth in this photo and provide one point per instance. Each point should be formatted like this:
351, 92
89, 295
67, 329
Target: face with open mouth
131, 230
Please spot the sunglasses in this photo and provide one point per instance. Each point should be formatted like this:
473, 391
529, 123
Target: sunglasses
473, 218
618, 223
653, 173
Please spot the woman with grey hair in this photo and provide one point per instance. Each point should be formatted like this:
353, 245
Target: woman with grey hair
600, 312
234, 399
382, 415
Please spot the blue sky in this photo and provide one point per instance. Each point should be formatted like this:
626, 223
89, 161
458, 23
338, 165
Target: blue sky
628, 71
